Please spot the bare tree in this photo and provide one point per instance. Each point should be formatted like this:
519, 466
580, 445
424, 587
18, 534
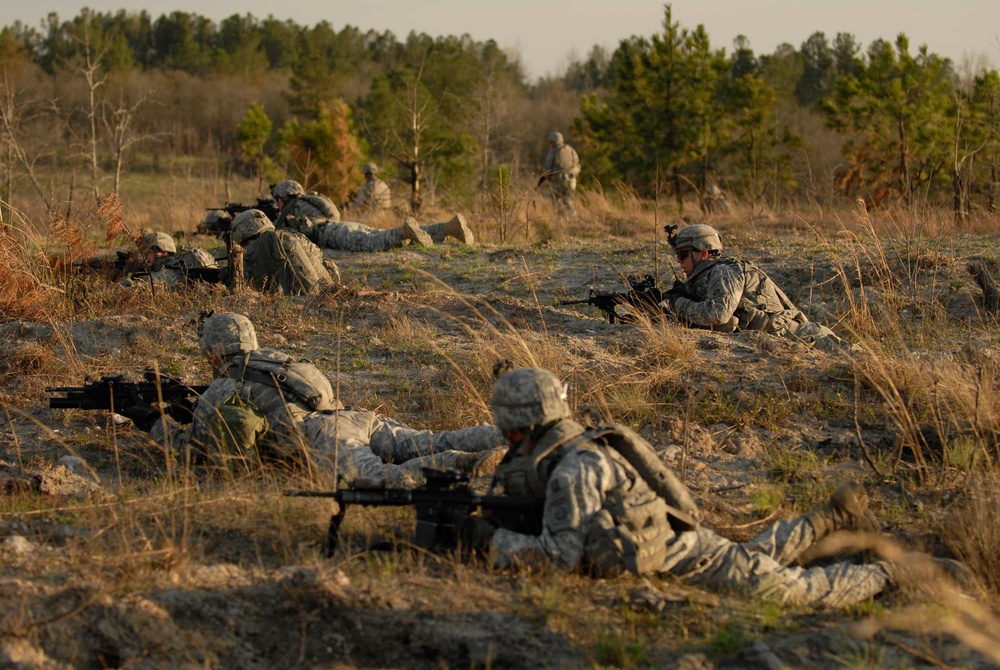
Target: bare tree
407, 147
12, 118
119, 121
91, 71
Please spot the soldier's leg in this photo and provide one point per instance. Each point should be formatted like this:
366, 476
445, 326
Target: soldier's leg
457, 227
353, 236
787, 539
716, 562
815, 335
340, 446
466, 449
399, 442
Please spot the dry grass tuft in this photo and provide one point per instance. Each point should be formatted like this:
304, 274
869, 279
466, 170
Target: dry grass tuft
972, 530
27, 292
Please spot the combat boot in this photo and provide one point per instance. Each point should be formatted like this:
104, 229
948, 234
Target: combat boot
916, 568
847, 509
459, 229
411, 231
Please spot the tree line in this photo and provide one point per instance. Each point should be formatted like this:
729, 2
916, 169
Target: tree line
449, 116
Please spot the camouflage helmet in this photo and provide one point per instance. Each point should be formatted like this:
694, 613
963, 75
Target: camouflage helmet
287, 189
157, 242
370, 168
556, 136
527, 398
216, 217
699, 237
249, 224
226, 334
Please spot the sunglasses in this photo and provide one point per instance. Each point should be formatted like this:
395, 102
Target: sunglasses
682, 255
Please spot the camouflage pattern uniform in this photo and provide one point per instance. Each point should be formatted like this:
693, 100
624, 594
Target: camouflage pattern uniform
598, 512
374, 195
726, 294
561, 169
312, 206
279, 261
301, 214
170, 270
352, 236
350, 443
724, 288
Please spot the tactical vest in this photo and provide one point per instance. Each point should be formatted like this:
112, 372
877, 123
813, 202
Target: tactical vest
633, 527
298, 381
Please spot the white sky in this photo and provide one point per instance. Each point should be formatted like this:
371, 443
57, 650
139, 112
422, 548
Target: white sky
547, 33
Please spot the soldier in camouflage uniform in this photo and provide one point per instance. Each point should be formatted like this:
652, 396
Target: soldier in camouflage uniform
279, 261
560, 171
727, 294
600, 515
168, 268
374, 195
262, 401
304, 214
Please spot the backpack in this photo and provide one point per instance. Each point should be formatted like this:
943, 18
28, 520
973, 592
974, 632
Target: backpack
297, 380
323, 204
640, 455
296, 263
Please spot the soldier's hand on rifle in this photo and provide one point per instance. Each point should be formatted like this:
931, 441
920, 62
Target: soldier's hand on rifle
475, 533
143, 414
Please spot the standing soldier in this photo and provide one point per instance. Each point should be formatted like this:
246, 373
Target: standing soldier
562, 166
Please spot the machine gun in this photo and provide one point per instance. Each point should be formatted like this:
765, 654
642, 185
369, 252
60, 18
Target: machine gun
643, 295
441, 504
140, 401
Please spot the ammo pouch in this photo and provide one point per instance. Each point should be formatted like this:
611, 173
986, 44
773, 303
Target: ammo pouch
234, 431
602, 549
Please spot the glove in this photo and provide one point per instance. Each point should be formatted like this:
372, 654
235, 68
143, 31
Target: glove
476, 533
143, 415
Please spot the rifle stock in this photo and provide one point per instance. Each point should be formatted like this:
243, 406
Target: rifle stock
441, 504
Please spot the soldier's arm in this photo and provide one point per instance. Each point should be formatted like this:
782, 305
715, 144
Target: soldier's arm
724, 293
574, 494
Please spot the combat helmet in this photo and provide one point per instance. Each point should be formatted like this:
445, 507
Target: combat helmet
699, 237
370, 168
215, 219
529, 397
287, 189
225, 334
249, 224
157, 242
556, 136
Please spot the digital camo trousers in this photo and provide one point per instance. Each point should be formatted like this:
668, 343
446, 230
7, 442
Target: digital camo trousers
761, 567
353, 236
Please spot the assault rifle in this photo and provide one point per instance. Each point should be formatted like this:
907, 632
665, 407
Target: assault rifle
267, 205
140, 401
207, 275
441, 504
642, 295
